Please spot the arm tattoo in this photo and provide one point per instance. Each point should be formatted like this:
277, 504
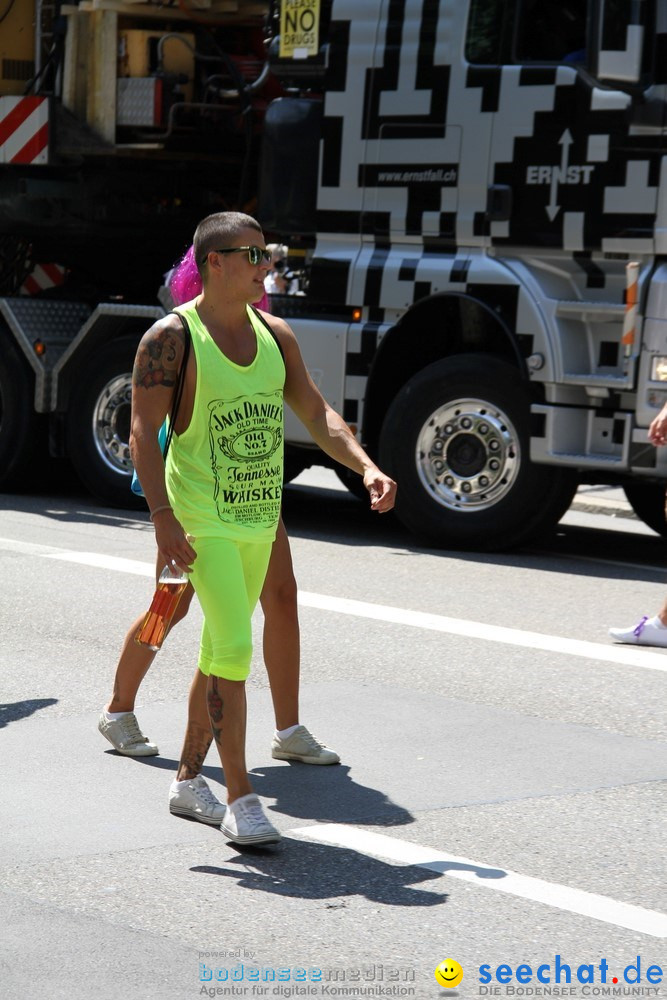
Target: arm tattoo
157, 360
215, 707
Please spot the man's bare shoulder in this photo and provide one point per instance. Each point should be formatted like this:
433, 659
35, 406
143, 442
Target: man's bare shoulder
281, 329
160, 353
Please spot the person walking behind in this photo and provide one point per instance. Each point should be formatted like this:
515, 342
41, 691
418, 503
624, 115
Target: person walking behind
649, 631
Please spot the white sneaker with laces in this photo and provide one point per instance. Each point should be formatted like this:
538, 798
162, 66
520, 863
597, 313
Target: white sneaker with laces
196, 800
648, 632
303, 746
245, 822
125, 736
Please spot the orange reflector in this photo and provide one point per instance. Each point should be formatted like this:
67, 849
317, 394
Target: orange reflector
356, 315
353, 428
39, 347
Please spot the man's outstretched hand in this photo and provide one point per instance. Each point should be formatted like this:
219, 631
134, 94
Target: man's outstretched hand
381, 489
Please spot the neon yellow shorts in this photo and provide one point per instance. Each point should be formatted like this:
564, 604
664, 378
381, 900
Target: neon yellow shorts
228, 577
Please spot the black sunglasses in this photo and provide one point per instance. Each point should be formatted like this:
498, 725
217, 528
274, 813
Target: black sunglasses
255, 254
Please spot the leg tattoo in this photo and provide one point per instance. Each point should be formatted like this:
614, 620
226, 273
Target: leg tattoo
215, 707
195, 747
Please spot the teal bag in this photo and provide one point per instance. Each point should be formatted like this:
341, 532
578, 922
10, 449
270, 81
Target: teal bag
166, 431
135, 485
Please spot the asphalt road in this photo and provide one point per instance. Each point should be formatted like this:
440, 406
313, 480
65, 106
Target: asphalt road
500, 800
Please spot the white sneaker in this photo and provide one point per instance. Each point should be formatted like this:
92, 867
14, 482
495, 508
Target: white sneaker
245, 822
648, 632
125, 736
195, 799
303, 746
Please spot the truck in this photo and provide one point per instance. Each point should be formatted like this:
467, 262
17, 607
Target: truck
473, 192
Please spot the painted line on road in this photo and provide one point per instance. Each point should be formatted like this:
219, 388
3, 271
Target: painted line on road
95, 559
492, 633
563, 897
628, 655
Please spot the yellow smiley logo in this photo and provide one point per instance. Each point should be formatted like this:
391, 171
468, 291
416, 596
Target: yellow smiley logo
449, 973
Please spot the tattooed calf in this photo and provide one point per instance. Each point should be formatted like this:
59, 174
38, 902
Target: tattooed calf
215, 707
195, 748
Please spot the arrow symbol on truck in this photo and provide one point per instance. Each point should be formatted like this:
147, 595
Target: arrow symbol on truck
565, 141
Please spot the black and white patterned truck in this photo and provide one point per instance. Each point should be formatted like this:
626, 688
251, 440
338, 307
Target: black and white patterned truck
473, 177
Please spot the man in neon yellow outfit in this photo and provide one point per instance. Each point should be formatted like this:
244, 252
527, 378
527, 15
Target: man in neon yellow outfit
223, 479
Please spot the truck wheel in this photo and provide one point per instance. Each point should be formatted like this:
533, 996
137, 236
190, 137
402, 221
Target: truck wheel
353, 482
456, 440
294, 463
18, 420
648, 502
98, 425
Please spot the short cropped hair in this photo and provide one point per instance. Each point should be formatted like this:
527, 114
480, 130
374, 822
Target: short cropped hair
218, 231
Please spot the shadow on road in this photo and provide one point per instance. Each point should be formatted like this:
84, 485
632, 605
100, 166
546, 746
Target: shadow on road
318, 871
16, 710
331, 515
319, 793
331, 796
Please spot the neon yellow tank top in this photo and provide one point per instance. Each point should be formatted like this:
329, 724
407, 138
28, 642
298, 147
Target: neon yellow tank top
224, 474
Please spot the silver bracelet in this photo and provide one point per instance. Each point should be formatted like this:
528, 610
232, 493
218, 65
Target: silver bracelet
165, 506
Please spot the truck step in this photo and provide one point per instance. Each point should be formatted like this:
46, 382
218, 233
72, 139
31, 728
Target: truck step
53, 323
591, 312
598, 380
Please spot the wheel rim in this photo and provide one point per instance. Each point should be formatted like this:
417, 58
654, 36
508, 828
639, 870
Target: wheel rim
111, 424
468, 455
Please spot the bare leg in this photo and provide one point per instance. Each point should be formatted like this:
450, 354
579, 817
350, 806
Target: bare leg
135, 660
198, 735
662, 613
227, 710
133, 666
281, 644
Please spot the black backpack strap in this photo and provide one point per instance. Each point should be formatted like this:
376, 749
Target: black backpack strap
178, 391
271, 331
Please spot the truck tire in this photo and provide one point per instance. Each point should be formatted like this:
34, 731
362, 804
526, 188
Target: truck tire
295, 461
19, 432
98, 425
648, 502
456, 439
353, 482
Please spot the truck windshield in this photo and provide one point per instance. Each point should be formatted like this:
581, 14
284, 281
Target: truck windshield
531, 31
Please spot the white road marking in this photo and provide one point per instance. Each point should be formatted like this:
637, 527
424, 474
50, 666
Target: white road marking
403, 852
96, 559
606, 653
492, 633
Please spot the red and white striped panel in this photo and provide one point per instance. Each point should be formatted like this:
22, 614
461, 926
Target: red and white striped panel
42, 277
24, 130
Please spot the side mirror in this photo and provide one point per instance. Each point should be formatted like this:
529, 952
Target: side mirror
620, 41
